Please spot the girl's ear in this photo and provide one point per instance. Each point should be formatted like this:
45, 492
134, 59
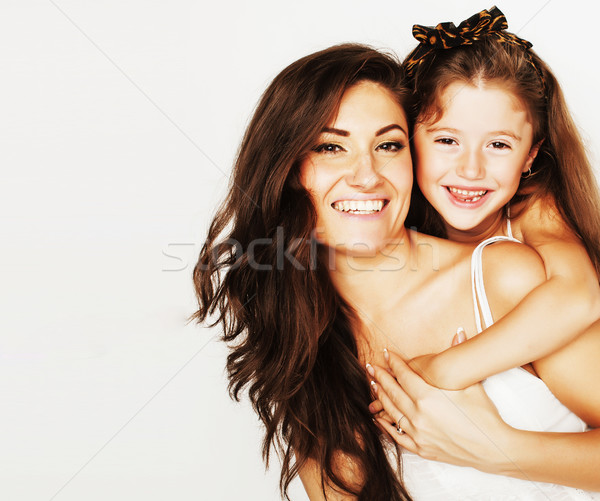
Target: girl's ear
531, 156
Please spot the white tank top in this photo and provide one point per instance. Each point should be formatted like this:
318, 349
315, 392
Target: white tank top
524, 402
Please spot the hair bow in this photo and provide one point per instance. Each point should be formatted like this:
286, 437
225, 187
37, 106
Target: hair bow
447, 35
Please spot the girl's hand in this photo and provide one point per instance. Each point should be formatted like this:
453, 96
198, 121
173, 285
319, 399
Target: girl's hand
458, 427
435, 369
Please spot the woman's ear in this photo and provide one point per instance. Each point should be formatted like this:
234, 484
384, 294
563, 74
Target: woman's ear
531, 155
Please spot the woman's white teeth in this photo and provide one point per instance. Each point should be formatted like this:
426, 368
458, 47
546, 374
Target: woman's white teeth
359, 206
467, 195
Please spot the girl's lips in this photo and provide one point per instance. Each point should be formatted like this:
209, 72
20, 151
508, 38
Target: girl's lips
465, 197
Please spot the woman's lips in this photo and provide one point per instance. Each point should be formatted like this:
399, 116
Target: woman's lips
358, 207
361, 208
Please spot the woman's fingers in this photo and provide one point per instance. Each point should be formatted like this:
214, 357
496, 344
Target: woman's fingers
375, 406
395, 411
395, 398
410, 381
402, 439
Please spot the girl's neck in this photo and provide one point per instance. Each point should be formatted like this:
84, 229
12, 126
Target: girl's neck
489, 228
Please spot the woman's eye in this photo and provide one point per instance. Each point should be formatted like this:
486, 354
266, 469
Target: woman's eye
328, 148
446, 140
499, 145
391, 146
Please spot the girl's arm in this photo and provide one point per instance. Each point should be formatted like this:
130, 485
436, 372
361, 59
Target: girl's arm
547, 318
463, 427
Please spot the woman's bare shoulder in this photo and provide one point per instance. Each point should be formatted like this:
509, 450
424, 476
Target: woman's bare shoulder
445, 253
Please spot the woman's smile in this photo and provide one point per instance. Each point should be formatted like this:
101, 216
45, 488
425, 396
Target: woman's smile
359, 173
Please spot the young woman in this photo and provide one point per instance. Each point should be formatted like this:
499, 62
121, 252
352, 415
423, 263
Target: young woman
311, 272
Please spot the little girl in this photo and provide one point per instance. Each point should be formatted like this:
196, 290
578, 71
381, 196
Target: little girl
497, 156
497, 153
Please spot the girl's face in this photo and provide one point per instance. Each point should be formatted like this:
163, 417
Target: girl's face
469, 162
359, 172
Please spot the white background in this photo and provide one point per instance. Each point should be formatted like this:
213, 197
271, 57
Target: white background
119, 121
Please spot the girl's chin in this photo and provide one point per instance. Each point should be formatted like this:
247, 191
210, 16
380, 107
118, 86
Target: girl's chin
472, 225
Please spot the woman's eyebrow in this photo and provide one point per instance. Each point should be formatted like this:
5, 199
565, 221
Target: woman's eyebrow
388, 128
381, 131
338, 132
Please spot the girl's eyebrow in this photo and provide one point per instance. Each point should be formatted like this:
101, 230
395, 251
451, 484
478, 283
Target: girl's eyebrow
491, 133
446, 129
345, 133
506, 133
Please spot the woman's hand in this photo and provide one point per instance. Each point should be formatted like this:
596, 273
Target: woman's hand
458, 427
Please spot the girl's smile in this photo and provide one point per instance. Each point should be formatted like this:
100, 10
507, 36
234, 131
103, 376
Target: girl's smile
469, 163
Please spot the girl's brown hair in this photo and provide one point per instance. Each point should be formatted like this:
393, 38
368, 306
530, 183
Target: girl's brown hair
561, 169
291, 336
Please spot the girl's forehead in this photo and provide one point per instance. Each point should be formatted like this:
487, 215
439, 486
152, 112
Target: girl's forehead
460, 99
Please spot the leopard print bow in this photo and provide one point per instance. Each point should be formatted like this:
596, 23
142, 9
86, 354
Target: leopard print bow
447, 35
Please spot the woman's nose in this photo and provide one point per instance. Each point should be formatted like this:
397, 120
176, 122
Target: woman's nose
471, 165
365, 173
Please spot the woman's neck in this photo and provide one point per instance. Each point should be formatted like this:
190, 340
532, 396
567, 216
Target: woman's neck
368, 283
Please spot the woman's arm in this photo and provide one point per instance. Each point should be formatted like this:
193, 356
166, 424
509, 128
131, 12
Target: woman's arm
464, 428
547, 318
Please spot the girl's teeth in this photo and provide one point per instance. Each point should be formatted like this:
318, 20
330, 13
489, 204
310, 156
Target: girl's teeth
467, 193
359, 206
470, 196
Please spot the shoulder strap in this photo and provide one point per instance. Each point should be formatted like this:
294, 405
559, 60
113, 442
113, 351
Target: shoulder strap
480, 301
508, 227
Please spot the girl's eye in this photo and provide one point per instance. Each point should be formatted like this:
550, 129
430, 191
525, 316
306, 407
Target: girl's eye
391, 146
328, 148
446, 140
499, 145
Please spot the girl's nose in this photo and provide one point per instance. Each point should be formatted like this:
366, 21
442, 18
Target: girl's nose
471, 166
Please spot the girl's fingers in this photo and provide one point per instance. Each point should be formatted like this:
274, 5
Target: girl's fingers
459, 337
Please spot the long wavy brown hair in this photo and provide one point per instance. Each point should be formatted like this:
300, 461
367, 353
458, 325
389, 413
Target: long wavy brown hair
259, 277
561, 169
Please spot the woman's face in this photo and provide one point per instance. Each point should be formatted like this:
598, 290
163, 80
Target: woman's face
359, 172
469, 162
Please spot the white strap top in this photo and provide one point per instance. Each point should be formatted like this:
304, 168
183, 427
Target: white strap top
479, 298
